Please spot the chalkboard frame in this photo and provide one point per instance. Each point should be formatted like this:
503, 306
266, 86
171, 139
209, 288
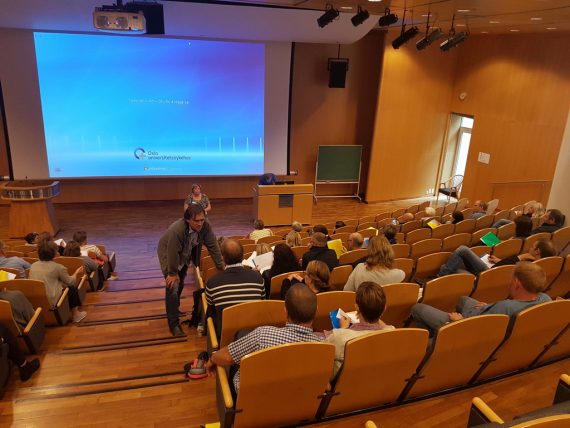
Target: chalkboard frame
325, 174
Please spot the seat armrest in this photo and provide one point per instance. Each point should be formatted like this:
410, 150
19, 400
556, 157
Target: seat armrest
224, 398
213, 343
34, 332
481, 413
33, 320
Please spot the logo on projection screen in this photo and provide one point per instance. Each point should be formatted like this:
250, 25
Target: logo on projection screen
140, 153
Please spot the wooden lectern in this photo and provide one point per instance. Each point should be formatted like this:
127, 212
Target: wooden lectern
282, 204
31, 209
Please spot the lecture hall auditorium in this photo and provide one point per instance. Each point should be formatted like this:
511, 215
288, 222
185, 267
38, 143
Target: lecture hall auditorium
120, 366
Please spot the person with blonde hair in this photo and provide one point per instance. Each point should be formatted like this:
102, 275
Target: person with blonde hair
296, 227
293, 239
378, 266
316, 277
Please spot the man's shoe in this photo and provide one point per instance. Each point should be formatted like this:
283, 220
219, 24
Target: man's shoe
79, 316
28, 369
177, 331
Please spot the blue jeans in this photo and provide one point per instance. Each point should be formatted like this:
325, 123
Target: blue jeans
463, 257
432, 319
172, 299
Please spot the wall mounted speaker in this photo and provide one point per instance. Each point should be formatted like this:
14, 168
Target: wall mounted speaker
337, 72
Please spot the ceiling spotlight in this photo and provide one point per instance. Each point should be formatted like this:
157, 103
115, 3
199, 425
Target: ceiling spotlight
429, 39
329, 16
360, 17
387, 19
405, 37
453, 41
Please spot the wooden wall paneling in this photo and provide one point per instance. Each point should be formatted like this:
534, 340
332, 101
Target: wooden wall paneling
518, 90
559, 191
411, 118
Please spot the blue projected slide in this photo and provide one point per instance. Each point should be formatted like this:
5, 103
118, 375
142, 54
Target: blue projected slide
136, 106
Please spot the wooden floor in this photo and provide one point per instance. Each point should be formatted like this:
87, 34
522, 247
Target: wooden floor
121, 367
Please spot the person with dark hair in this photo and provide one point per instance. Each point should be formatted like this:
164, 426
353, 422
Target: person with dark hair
180, 246
316, 277
370, 305
56, 278
464, 257
553, 220
525, 290
26, 367
259, 230
199, 198
320, 251
236, 284
31, 238
89, 250
12, 262
284, 261
321, 228
338, 224
389, 231
300, 309
523, 226
456, 217
72, 249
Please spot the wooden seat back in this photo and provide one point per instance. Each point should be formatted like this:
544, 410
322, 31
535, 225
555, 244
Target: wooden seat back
483, 222
405, 264
367, 219
411, 225
529, 242
413, 208
425, 247
246, 249
561, 238
10, 253
376, 368
349, 222
13, 271
458, 352
493, 284
300, 251
533, 329
399, 301
501, 215
368, 233
306, 241
444, 292
245, 241
296, 374
329, 301
389, 220
277, 282
32, 336
367, 225
269, 239
345, 229
476, 236
339, 276
428, 266
453, 242
465, 226
449, 208
443, 231
383, 216
206, 263
343, 236
401, 250
353, 256
400, 238
560, 287
250, 315
552, 266
418, 235
506, 231
481, 250
560, 348
397, 213
510, 247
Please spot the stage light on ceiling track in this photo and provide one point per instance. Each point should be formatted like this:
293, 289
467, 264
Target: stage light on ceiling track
430, 37
360, 17
329, 16
405, 35
454, 40
387, 19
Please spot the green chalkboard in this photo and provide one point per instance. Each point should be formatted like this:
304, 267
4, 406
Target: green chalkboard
339, 163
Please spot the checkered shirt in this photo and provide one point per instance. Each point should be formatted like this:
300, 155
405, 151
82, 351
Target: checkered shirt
267, 337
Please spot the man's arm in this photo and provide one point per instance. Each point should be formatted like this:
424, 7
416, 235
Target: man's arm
219, 358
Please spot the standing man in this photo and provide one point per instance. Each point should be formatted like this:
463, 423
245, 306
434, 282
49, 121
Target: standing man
181, 245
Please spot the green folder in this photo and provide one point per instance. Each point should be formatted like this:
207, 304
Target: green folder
490, 239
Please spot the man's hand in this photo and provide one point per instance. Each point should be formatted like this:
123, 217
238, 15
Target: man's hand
295, 276
494, 259
455, 316
344, 322
171, 280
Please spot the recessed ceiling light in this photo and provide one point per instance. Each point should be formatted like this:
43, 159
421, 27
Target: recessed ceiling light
346, 7
484, 32
425, 15
551, 28
374, 1
536, 19
460, 25
514, 31
463, 10
494, 22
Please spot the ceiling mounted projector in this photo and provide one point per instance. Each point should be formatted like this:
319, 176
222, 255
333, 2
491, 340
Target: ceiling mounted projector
132, 18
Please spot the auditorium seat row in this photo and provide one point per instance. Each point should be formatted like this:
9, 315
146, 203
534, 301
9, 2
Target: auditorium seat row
381, 368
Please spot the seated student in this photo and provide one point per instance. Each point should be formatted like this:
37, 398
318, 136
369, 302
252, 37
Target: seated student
56, 278
338, 225
22, 309
456, 217
354, 241
316, 277
293, 239
12, 262
406, 217
259, 230
479, 210
31, 238
27, 368
553, 220
46, 236
523, 225
300, 309
284, 261
389, 231
296, 227
463, 257
321, 228
378, 266
525, 290
319, 251
236, 284
72, 249
370, 305
89, 250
